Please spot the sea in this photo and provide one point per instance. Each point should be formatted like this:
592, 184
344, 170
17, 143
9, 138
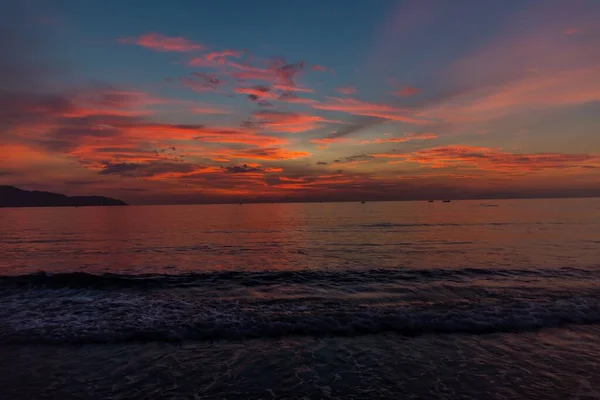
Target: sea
478, 299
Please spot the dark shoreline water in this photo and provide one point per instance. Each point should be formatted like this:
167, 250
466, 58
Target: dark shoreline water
343, 301
84, 308
551, 364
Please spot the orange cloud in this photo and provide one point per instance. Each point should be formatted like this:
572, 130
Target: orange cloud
158, 42
241, 138
390, 155
327, 140
278, 121
200, 133
409, 136
492, 159
356, 107
20, 156
274, 153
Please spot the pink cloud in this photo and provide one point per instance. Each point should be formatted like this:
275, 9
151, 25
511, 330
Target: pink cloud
258, 91
208, 110
320, 68
357, 107
409, 136
542, 91
290, 97
292, 88
214, 59
406, 91
158, 42
219, 56
572, 31
527, 67
277, 72
346, 90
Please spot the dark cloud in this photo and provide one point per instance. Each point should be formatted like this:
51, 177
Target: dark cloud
19, 107
189, 126
145, 170
7, 172
357, 125
357, 157
287, 96
322, 163
67, 138
264, 103
83, 182
236, 169
287, 72
262, 88
206, 80
120, 168
272, 180
134, 189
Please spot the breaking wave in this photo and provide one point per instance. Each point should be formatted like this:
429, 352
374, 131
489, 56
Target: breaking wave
87, 308
111, 280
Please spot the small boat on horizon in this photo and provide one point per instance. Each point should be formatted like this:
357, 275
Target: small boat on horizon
446, 201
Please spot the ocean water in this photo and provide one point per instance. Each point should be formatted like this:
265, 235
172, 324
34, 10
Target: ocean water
468, 299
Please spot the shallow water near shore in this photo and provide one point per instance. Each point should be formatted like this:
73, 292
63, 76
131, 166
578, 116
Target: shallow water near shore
471, 299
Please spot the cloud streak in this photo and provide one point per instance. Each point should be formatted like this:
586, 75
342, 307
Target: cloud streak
382, 111
491, 159
278, 121
408, 137
159, 42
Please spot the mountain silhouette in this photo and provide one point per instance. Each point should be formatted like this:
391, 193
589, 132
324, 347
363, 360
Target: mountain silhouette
11, 196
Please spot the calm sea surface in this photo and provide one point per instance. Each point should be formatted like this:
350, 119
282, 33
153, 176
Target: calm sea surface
468, 299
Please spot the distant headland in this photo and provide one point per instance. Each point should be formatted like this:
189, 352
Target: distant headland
11, 196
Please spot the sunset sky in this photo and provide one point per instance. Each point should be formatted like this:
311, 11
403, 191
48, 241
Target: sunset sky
224, 101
